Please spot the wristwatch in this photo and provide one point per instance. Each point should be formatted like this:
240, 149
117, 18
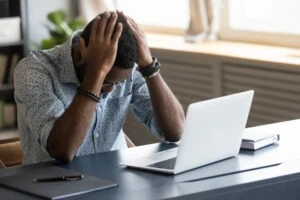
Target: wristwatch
150, 70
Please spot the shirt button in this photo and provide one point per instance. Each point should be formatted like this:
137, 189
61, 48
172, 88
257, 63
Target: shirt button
96, 135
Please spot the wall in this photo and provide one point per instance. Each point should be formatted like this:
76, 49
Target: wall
37, 11
197, 76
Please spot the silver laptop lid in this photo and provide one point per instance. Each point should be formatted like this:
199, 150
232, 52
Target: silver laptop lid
213, 130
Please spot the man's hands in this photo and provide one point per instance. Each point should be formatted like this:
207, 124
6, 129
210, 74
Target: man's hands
168, 112
99, 56
144, 55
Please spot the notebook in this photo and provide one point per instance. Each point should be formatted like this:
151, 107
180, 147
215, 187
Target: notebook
25, 182
212, 132
253, 140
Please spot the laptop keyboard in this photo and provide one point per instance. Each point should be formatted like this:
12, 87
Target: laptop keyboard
166, 164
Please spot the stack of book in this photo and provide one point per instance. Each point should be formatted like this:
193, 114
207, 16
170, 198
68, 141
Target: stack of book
256, 140
7, 67
7, 115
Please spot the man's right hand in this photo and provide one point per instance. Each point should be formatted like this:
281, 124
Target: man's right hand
99, 56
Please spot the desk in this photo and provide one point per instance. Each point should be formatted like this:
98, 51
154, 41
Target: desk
277, 182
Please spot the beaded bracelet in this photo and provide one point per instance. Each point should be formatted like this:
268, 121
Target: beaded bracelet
88, 94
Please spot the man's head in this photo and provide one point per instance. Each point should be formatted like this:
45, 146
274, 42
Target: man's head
127, 46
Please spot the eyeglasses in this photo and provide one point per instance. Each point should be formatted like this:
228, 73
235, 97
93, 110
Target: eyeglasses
108, 84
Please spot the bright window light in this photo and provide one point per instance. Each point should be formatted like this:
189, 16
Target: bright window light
158, 13
274, 16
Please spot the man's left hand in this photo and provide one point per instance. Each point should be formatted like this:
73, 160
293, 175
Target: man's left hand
144, 55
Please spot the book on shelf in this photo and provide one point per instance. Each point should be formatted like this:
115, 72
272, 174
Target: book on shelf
4, 8
8, 64
3, 67
253, 140
7, 114
13, 63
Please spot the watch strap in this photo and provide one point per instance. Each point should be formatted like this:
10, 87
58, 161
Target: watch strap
150, 70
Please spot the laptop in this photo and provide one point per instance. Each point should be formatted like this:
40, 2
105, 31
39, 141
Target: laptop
212, 132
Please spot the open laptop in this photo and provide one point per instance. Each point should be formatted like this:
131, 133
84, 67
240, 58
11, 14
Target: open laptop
212, 132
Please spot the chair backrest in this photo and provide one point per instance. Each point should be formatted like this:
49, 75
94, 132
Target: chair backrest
11, 153
129, 142
2, 164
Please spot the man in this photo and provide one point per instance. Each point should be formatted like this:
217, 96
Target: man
73, 99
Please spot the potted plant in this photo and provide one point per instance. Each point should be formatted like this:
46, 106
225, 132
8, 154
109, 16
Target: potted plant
60, 29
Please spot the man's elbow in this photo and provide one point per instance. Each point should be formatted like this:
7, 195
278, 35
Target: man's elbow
63, 155
65, 158
173, 138
174, 135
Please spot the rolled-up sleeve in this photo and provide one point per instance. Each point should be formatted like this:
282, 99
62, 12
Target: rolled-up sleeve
141, 105
37, 103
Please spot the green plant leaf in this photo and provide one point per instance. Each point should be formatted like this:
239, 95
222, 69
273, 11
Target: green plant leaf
76, 24
48, 43
59, 29
63, 26
57, 34
58, 19
56, 16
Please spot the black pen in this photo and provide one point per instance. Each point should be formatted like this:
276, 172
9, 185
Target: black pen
60, 178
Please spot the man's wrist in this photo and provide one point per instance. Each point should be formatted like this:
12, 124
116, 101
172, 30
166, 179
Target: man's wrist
150, 70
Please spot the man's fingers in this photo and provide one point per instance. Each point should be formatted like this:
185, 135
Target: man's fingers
134, 28
122, 14
132, 23
94, 28
111, 25
102, 25
118, 33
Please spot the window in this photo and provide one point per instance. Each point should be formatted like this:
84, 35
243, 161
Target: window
163, 16
263, 21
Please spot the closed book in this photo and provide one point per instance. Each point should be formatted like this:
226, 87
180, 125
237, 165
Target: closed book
4, 8
1, 114
256, 140
9, 114
3, 66
13, 63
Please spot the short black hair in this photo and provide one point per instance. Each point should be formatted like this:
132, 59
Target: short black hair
127, 47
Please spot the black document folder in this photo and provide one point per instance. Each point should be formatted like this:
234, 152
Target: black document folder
25, 182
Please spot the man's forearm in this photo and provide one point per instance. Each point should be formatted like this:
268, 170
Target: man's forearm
168, 112
69, 130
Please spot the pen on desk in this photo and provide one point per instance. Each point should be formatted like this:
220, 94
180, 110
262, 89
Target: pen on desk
60, 178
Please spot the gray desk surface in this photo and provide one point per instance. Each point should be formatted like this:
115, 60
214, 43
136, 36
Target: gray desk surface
277, 182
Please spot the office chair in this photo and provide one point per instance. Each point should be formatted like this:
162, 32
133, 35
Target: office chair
129, 142
11, 153
2, 164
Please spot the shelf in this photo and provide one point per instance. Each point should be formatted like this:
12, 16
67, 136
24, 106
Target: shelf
6, 92
9, 135
14, 49
6, 87
17, 43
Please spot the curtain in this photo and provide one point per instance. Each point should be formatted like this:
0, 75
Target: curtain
89, 9
204, 20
